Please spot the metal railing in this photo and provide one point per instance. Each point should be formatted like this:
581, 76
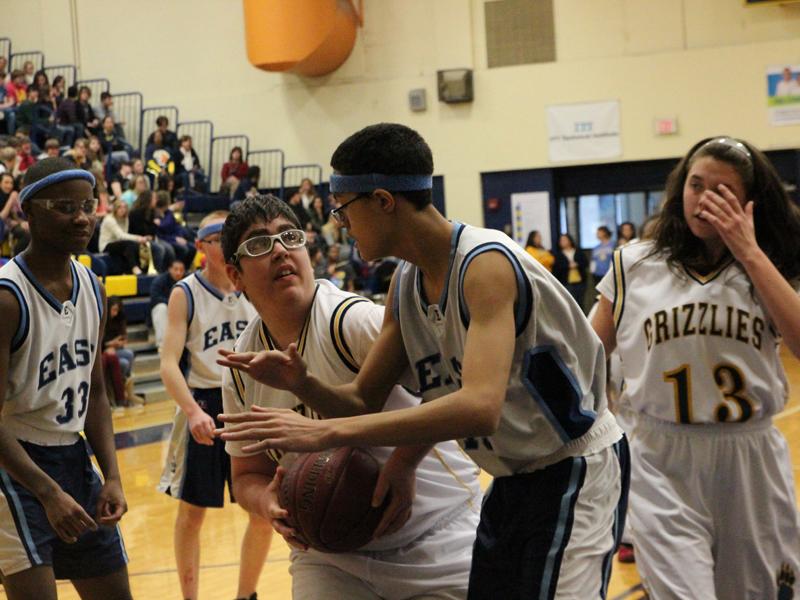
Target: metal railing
96, 87
202, 133
18, 59
128, 111
221, 147
149, 116
5, 49
294, 174
68, 72
271, 164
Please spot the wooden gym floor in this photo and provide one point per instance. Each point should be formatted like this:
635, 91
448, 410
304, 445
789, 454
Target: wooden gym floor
147, 528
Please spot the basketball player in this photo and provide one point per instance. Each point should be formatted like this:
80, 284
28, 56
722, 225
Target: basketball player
427, 556
505, 361
697, 315
204, 313
58, 520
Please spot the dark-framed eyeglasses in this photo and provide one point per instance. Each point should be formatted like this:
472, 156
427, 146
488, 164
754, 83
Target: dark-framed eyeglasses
291, 239
339, 214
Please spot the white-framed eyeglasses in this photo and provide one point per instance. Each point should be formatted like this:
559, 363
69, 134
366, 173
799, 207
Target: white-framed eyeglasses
291, 239
69, 207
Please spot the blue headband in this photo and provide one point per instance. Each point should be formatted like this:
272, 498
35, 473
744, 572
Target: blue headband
54, 178
208, 230
372, 181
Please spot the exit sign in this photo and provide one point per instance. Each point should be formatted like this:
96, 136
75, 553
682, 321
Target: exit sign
665, 126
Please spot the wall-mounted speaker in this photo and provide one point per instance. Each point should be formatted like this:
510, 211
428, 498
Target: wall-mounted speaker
455, 85
417, 100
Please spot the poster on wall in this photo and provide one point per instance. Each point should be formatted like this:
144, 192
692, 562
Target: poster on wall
783, 94
531, 211
584, 131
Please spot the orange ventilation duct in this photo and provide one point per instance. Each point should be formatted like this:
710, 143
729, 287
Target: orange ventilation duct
307, 37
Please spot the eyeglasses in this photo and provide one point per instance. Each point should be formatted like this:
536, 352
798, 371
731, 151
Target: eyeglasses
70, 207
291, 239
339, 214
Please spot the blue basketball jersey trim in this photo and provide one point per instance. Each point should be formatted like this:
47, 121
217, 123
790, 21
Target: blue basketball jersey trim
396, 296
18, 514
554, 387
458, 229
563, 530
96, 288
48, 297
24, 314
189, 301
210, 288
524, 304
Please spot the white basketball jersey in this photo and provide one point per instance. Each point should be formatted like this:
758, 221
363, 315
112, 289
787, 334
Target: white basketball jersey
52, 355
694, 349
555, 401
334, 342
215, 320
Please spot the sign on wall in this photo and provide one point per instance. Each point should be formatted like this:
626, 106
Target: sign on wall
584, 131
531, 211
783, 94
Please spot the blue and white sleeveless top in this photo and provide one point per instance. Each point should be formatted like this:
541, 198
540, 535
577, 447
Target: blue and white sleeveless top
555, 403
215, 320
52, 355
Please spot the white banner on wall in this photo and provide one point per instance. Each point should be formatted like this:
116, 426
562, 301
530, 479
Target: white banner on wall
783, 94
531, 211
584, 131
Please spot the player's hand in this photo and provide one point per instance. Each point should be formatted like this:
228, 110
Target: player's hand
280, 428
732, 221
273, 511
398, 479
111, 504
67, 517
202, 427
277, 369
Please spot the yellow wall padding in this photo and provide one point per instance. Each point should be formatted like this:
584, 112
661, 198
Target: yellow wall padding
121, 285
307, 37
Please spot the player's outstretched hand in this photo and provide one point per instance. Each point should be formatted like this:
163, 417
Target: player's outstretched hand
398, 479
202, 427
67, 517
278, 515
111, 504
732, 221
281, 370
280, 428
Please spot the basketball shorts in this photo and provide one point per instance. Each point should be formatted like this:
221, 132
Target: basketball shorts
435, 566
713, 511
552, 533
196, 473
26, 538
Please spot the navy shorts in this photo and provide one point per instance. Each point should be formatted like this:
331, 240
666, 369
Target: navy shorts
196, 473
26, 538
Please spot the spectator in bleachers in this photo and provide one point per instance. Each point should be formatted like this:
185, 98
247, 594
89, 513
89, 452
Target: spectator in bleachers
338, 271
79, 154
307, 192
116, 241
138, 167
95, 153
40, 79
25, 156
318, 261
7, 112
3, 70
113, 145
122, 180
9, 161
115, 339
85, 112
296, 204
101, 191
16, 87
58, 86
140, 185
249, 185
234, 171
67, 113
106, 109
168, 138
52, 149
32, 116
144, 220
172, 232
28, 69
160, 289
317, 214
188, 169
158, 157
15, 225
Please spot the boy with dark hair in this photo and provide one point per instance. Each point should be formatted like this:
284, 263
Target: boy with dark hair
505, 362
58, 519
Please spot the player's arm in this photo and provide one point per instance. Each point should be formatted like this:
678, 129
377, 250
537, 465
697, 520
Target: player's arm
603, 324
99, 432
66, 516
201, 424
473, 410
